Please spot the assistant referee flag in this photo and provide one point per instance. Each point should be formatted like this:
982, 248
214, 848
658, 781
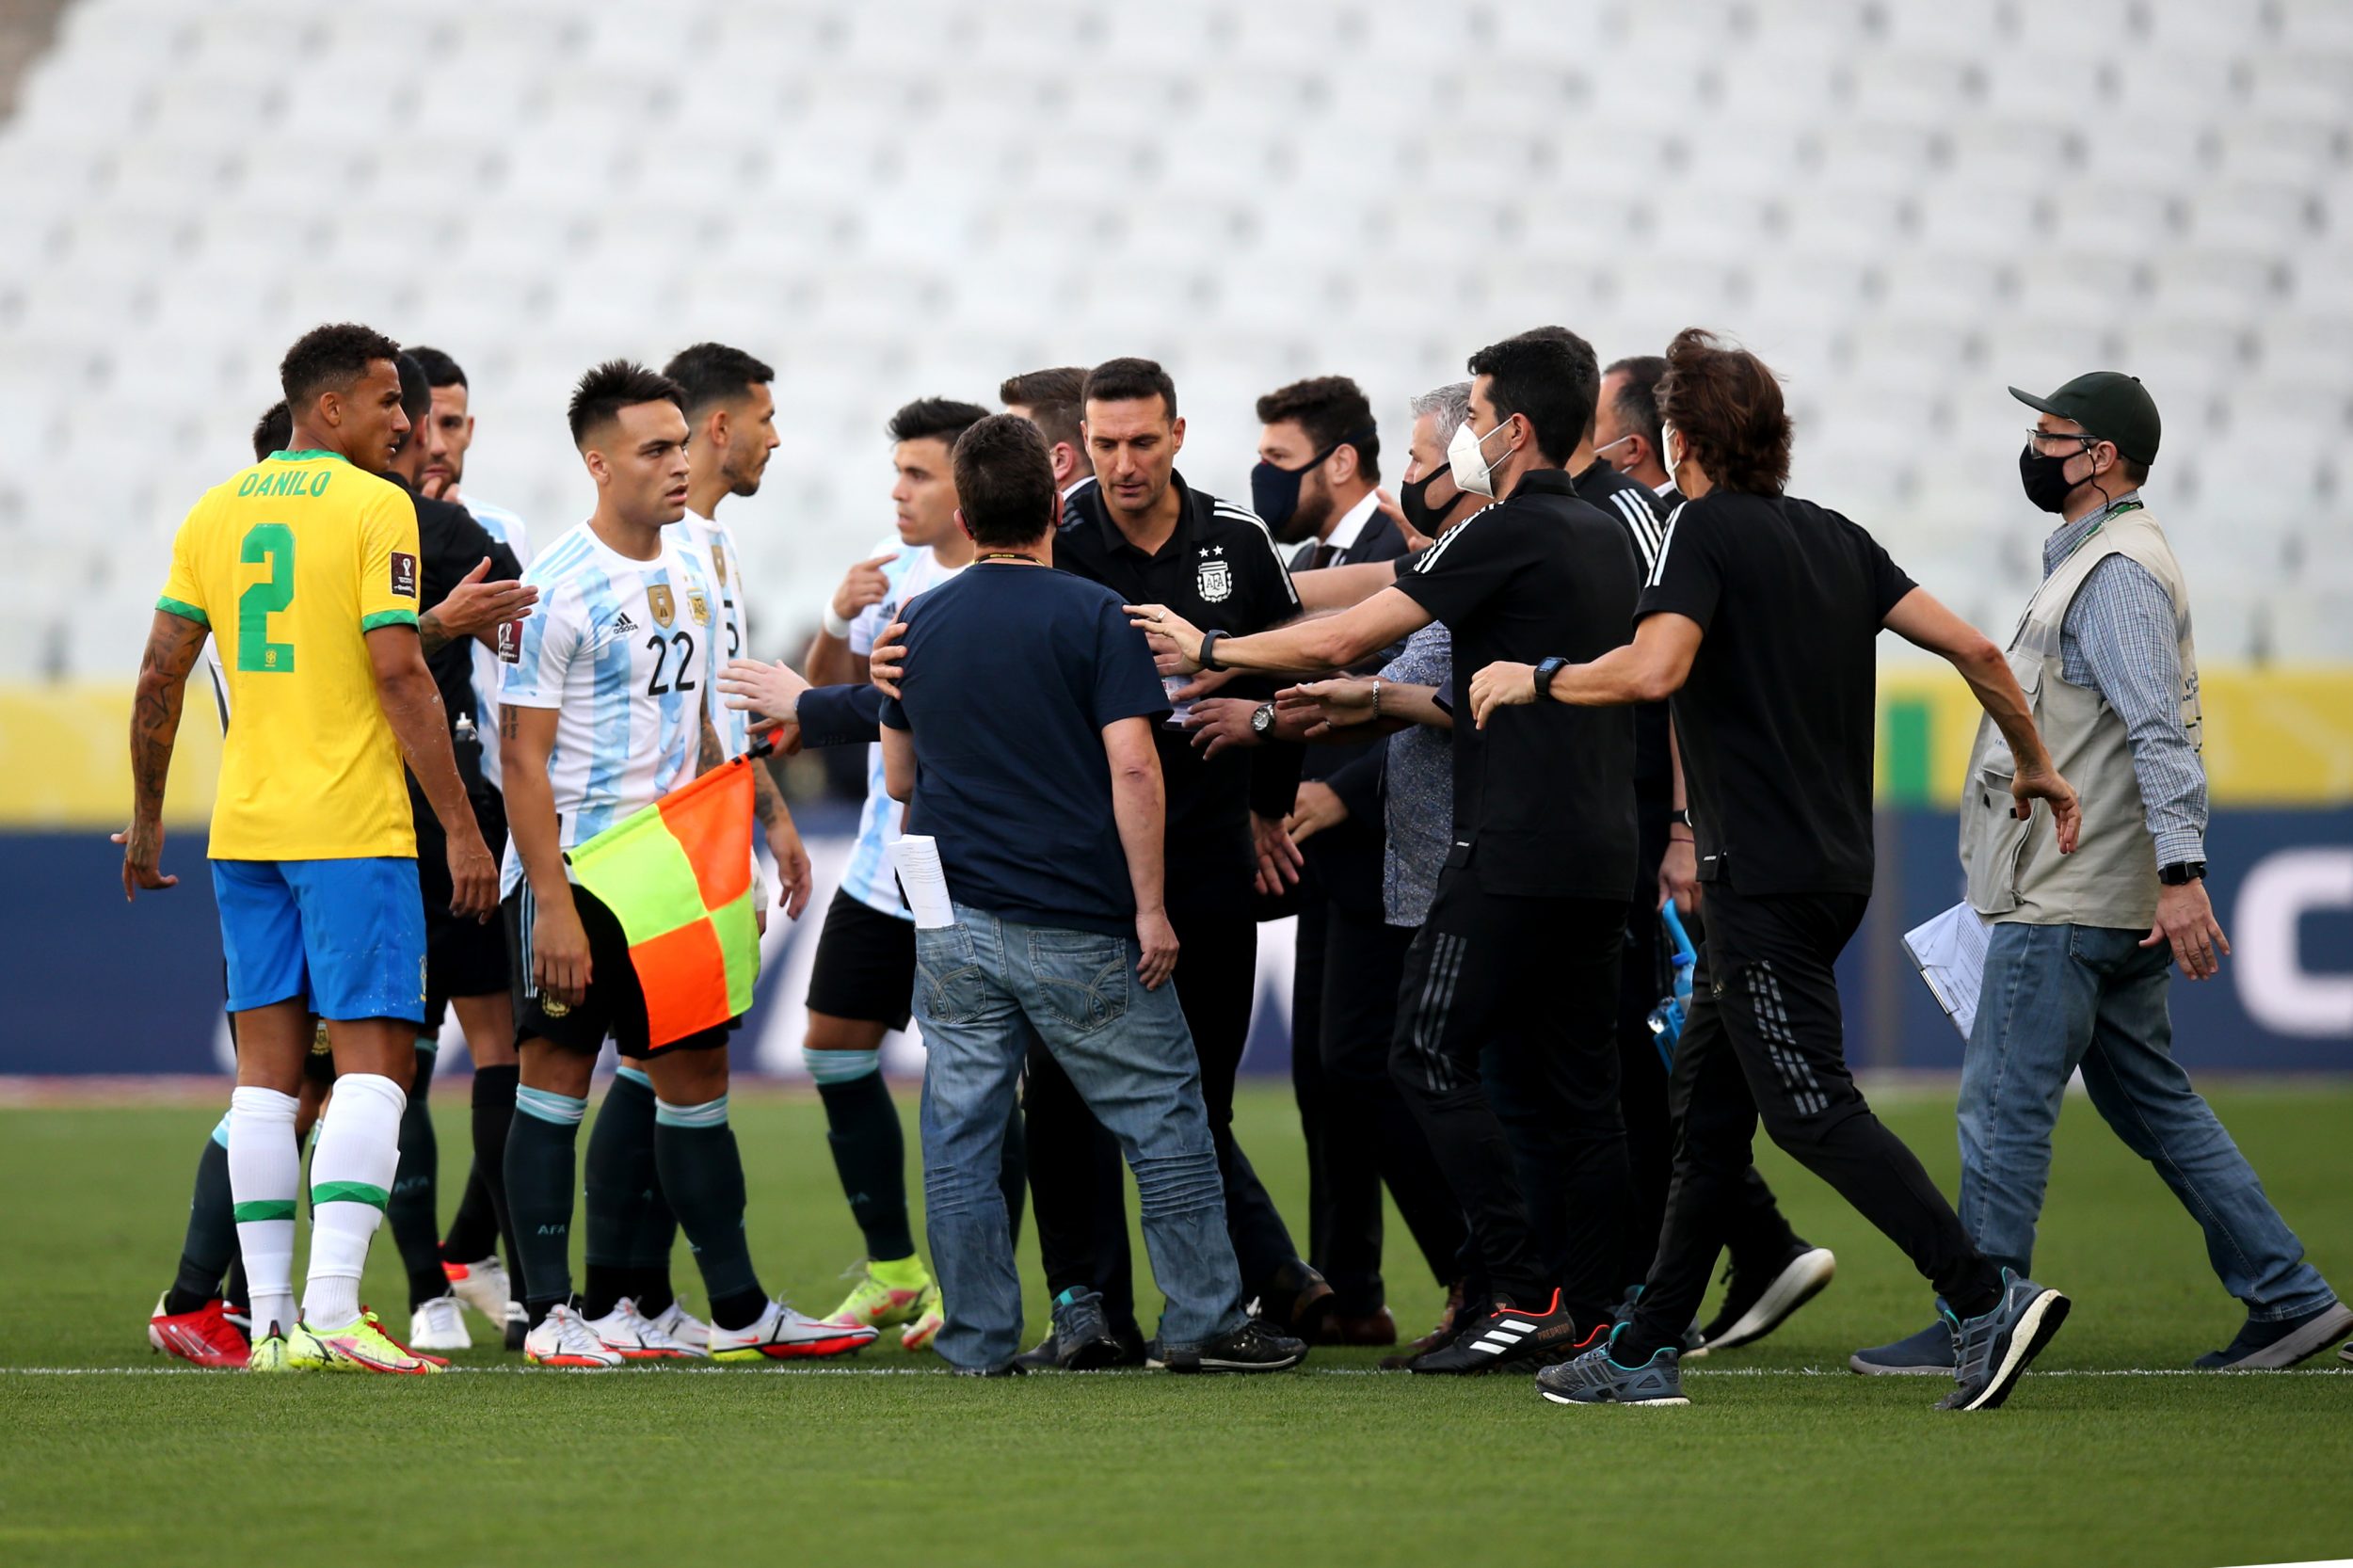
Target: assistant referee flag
678, 875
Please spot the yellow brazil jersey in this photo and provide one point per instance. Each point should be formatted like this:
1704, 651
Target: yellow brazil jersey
291, 562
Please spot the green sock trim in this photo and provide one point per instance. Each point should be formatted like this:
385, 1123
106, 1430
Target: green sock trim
901, 1273
345, 1191
267, 1209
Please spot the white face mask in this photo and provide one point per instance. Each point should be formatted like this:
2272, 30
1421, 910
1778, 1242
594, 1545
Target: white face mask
1466, 459
1668, 440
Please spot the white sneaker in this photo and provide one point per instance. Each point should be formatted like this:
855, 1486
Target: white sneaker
787, 1334
564, 1339
482, 1286
690, 1332
440, 1324
637, 1337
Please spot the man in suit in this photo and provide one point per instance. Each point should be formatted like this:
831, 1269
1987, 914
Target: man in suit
1316, 487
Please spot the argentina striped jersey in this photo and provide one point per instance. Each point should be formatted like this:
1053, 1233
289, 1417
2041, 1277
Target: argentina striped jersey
868, 878
622, 650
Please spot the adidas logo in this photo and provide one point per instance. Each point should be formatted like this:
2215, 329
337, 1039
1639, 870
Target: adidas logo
622, 623
1505, 1333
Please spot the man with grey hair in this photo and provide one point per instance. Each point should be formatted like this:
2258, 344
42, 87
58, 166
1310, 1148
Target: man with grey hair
2076, 963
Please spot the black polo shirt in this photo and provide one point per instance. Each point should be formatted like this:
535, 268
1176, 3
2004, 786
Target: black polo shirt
1777, 714
452, 544
1543, 796
1638, 506
1220, 571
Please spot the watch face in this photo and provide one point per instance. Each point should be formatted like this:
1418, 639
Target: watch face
1262, 717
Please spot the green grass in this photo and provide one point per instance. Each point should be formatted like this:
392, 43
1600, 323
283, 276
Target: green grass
1768, 1465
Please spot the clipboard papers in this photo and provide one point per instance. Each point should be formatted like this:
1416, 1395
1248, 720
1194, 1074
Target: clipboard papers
915, 858
1949, 953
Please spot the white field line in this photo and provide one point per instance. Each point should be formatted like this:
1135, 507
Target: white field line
1702, 1373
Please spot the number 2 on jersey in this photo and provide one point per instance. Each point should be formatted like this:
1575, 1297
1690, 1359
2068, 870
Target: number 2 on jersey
273, 542
662, 645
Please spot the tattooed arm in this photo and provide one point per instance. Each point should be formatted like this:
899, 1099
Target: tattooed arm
172, 645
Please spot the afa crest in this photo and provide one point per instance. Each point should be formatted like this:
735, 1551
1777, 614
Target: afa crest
1213, 578
658, 599
698, 606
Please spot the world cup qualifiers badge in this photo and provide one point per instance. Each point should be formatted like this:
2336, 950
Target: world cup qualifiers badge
1213, 578
403, 575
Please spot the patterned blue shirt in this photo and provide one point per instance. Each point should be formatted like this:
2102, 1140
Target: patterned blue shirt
2119, 639
1418, 785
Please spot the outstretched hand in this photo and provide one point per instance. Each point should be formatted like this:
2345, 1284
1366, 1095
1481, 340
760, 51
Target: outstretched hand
1176, 641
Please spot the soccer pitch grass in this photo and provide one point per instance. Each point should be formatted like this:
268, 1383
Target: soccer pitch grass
1783, 1455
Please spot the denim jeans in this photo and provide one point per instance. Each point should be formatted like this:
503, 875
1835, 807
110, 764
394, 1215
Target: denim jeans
987, 989
2059, 997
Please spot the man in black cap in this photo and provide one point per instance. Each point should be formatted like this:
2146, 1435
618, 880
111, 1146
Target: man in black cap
2078, 963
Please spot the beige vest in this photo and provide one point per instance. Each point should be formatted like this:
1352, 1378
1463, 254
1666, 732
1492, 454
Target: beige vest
2014, 868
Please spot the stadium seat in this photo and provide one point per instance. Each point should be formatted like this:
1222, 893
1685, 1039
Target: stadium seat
1938, 197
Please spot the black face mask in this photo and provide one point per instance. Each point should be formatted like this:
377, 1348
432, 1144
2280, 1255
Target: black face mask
1274, 491
1413, 498
2044, 479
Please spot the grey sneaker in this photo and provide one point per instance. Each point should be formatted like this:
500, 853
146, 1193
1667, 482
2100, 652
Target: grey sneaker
1596, 1378
2271, 1345
1996, 1346
1083, 1340
1927, 1353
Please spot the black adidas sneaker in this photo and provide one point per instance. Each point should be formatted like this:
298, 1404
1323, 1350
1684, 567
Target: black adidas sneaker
1509, 1336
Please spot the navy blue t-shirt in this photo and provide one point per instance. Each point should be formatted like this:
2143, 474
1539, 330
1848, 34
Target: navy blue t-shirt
1012, 674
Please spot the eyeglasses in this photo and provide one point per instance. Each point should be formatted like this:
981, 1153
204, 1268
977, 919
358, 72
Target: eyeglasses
2036, 435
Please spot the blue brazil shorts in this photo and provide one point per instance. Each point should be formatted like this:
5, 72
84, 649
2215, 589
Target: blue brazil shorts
347, 937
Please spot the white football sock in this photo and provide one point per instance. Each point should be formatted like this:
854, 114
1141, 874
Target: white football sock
265, 1175
351, 1174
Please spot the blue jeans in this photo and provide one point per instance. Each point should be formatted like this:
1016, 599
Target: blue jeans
987, 989
2059, 997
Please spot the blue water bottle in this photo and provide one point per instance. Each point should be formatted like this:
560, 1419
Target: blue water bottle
1666, 1020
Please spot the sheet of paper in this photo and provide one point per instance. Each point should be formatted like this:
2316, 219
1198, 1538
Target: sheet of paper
1949, 953
916, 857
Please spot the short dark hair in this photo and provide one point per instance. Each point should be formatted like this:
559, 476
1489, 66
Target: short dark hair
1547, 377
1334, 412
615, 385
940, 419
1726, 405
1120, 380
330, 359
712, 373
439, 368
416, 388
1636, 398
273, 430
1004, 480
1056, 400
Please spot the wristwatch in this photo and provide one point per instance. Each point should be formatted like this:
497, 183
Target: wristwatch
1209, 650
1680, 817
1262, 719
2182, 872
1544, 672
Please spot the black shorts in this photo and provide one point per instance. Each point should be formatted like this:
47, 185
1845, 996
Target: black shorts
462, 957
864, 964
614, 1004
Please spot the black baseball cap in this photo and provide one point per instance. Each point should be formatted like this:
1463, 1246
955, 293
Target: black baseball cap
2110, 404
